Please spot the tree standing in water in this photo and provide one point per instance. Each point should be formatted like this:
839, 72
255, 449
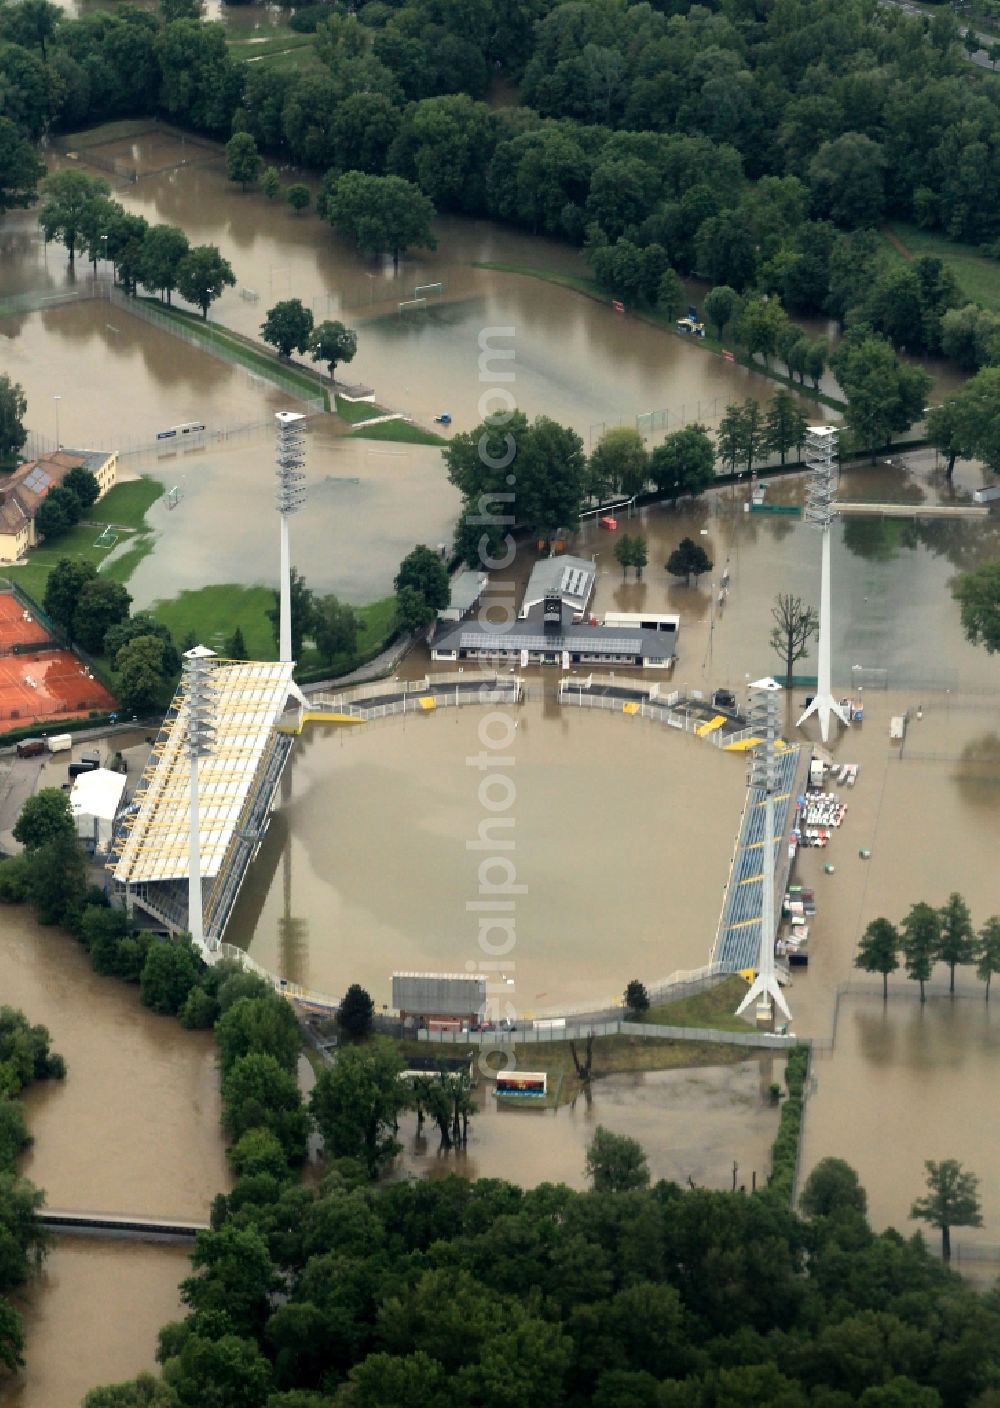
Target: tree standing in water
952, 1200
957, 943
795, 625
921, 941
988, 951
878, 951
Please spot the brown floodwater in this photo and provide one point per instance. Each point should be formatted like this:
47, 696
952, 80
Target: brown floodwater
92, 1317
575, 360
693, 1125
624, 832
366, 869
134, 1128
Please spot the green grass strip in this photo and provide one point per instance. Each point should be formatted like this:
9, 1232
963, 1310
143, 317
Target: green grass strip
125, 505
398, 430
977, 275
286, 377
715, 1007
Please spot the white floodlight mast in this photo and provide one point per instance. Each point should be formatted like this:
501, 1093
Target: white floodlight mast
200, 736
763, 775
290, 457
820, 446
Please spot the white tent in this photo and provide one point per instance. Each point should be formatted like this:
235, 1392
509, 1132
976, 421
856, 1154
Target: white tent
94, 802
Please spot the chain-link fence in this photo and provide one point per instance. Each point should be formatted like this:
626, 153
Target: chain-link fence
270, 375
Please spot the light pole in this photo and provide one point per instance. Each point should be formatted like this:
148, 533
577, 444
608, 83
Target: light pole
820, 446
57, 399
198, 741
290, 457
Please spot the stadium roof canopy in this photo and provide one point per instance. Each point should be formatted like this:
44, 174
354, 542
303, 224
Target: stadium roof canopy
248, 699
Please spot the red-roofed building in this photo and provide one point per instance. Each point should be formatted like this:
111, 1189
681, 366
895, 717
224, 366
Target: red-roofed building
23, 490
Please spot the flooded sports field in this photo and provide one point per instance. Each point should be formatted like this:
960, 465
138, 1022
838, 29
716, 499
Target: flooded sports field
373, 864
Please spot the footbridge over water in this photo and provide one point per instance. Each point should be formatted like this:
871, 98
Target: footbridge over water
121, 1225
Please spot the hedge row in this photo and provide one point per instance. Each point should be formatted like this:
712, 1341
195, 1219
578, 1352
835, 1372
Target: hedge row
785, 1149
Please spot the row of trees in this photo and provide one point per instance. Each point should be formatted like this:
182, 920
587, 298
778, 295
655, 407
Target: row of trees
328, 622
579, 159
25, 1056
78, 211
927, 936
94, 612
536, 476
289, 328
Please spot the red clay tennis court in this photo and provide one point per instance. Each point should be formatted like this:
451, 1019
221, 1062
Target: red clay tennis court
18, 626
41, 685
51, 684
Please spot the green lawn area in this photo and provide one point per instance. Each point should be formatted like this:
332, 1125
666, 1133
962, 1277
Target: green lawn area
302, 59
353, 411
978, 276
612, 1056
401, 431
125, 505
213, 613
715, 1007
269, 39
120, 569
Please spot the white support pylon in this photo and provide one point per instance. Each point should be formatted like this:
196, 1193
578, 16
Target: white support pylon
199, 737
764, 720
289, 459
820, 447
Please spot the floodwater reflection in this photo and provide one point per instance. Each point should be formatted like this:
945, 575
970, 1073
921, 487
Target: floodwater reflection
694, 1125
619, 880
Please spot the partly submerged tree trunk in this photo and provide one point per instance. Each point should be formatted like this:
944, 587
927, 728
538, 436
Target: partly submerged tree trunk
951, 466
923, 995
951, 984
885, 986
946, 1244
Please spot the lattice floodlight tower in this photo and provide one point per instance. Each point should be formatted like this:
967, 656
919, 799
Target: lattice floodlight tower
290, 456
820, 447
198, 740
764, 696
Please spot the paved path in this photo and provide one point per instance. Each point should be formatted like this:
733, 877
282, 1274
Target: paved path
382, 664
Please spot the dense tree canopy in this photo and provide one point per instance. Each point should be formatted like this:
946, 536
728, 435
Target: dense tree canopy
13, 404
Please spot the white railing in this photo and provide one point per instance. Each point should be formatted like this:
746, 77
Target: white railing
238, 955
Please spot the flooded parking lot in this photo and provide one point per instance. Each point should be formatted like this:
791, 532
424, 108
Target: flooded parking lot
694, 1126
